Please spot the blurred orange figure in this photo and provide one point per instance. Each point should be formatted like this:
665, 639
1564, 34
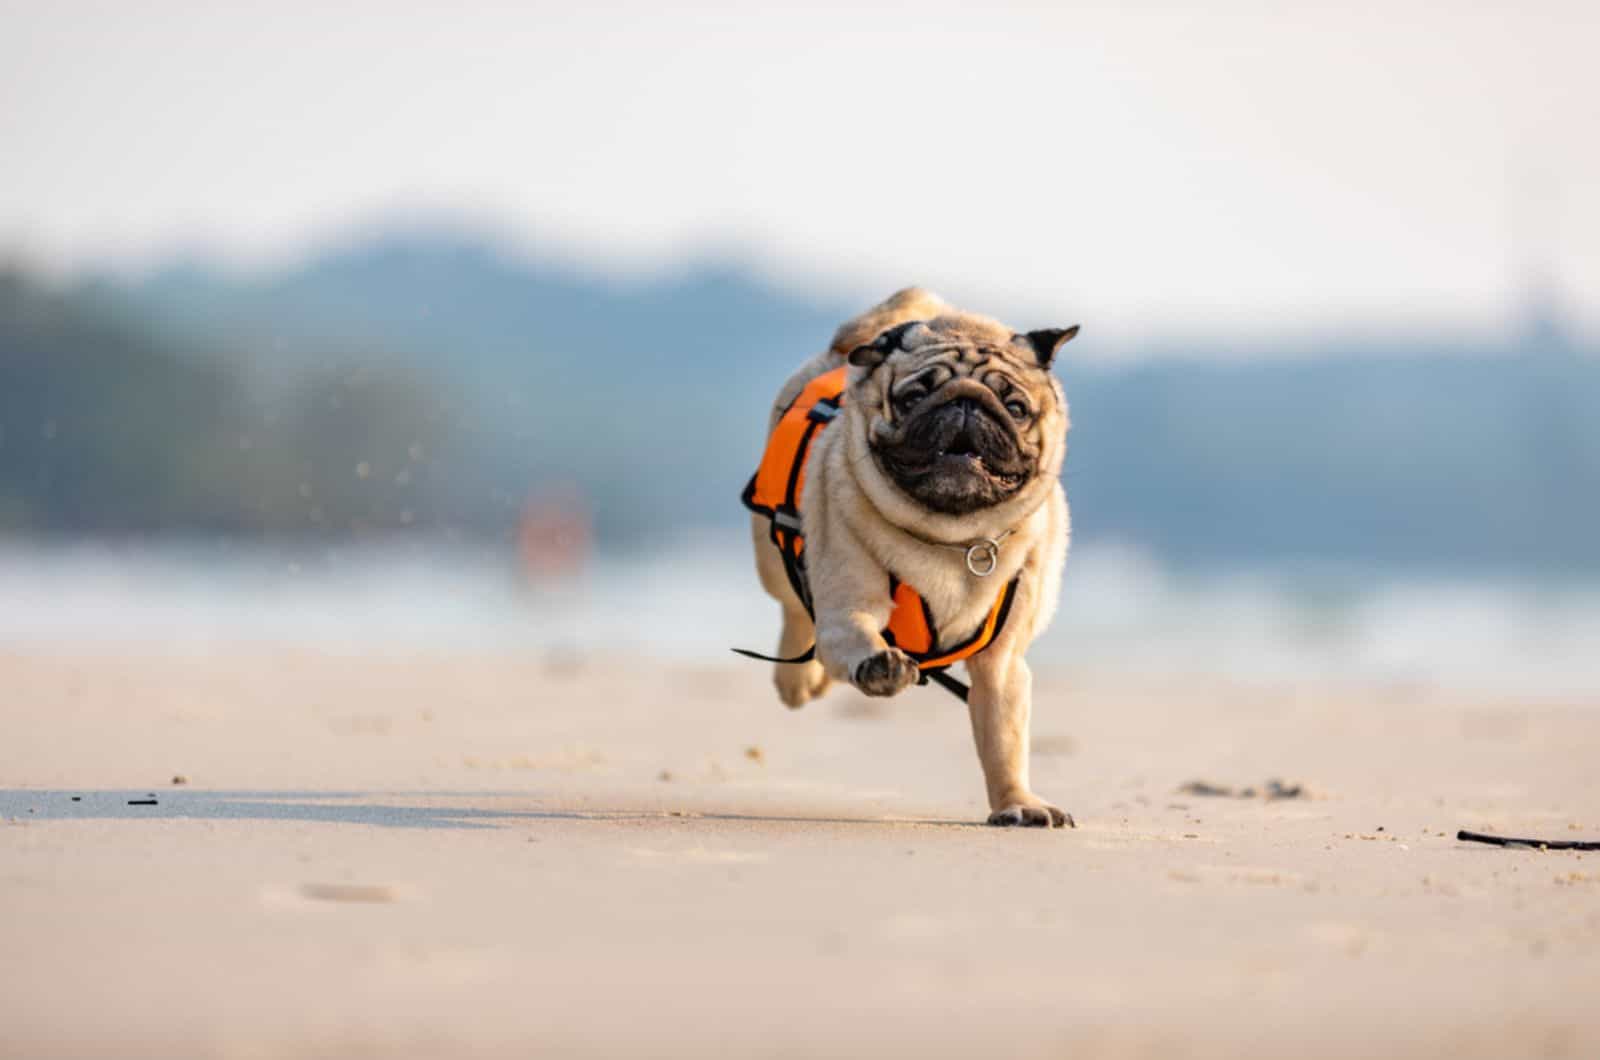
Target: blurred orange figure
555, 535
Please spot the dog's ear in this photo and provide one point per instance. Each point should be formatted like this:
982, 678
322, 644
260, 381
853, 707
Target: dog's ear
873, 353
1046, 342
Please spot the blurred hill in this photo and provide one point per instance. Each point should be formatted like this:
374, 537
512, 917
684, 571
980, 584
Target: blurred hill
645, 399
431, 381
111, 423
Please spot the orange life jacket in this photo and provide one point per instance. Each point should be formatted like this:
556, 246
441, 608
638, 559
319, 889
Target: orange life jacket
775, 491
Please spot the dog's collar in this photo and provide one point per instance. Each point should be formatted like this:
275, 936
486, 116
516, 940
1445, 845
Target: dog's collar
983, 555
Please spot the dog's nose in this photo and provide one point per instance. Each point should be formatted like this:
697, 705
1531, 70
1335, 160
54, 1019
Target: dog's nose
963, 414
968, 408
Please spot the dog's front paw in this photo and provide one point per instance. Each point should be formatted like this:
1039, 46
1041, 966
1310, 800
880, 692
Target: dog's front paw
885, 673
1031, 812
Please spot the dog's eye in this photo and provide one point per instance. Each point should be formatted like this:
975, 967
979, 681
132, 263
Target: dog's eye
1018, 410
908, 398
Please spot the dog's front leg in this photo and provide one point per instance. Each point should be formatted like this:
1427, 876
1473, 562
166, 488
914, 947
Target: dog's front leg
852, 649
1000, 705
851, 594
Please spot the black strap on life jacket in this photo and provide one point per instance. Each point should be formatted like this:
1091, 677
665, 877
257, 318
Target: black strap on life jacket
954, 685
784, 520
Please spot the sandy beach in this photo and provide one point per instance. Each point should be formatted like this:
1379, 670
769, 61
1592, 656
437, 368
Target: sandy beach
486, 854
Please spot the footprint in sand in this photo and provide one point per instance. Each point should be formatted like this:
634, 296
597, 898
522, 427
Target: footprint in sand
306, 894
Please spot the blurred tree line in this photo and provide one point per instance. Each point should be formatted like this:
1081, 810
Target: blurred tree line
106, 427
431, 382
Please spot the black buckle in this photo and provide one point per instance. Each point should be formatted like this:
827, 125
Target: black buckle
823, 411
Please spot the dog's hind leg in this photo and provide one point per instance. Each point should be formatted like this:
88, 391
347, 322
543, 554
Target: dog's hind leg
798, 683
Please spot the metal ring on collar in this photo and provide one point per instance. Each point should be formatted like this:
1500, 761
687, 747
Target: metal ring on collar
983, 557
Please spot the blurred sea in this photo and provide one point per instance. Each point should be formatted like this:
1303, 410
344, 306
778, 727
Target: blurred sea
694, 599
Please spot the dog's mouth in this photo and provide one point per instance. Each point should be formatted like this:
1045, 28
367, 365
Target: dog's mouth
962, 445
963, 456
956, 458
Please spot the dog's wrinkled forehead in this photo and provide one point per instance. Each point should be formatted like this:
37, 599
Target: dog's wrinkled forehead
977, 334
965, 333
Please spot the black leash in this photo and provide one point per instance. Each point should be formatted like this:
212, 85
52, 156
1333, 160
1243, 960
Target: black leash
941, 677
810, 653
1465, 836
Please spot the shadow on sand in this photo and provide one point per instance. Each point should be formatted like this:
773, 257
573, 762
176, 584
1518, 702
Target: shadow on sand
378, 809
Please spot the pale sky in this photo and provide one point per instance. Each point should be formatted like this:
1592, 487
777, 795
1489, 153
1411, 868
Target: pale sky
1246, 168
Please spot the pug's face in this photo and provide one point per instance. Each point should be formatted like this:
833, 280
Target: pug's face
966, 413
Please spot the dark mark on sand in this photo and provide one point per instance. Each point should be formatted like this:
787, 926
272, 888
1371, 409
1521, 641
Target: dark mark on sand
1273, 789
348, 892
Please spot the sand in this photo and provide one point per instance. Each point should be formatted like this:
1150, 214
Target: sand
403, 854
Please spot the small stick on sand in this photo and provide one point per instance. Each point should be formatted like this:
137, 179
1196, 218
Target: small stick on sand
1545, 844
